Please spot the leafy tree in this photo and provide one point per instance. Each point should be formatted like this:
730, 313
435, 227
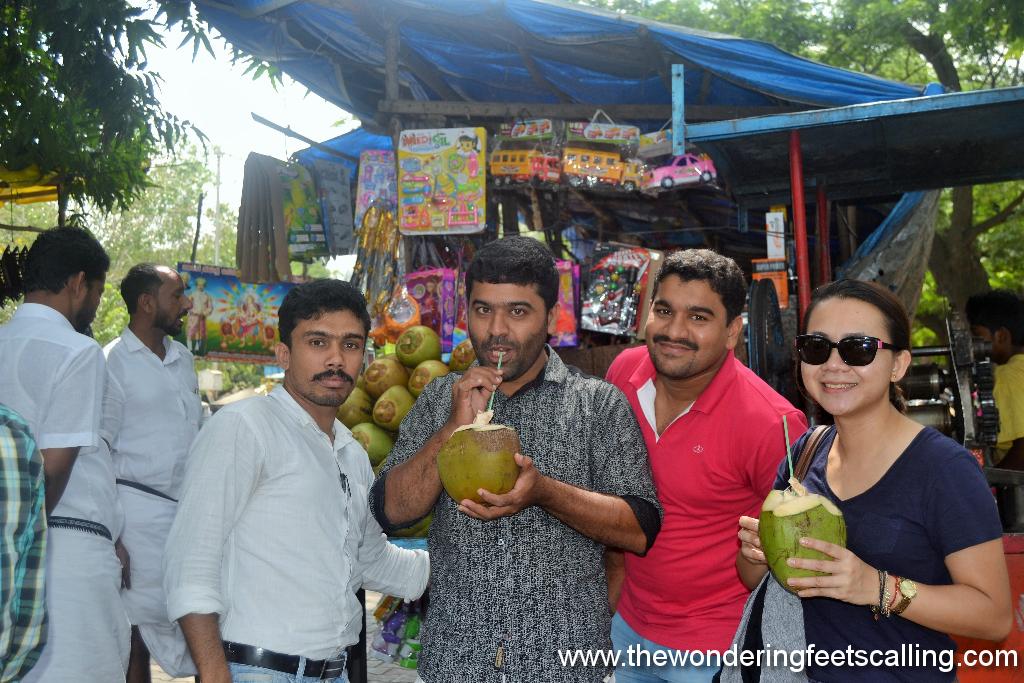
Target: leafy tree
963, 45
76, 101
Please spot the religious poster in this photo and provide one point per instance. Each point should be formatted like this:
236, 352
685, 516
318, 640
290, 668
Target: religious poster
230, 320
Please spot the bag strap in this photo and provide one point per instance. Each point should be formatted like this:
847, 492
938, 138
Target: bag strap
803, 463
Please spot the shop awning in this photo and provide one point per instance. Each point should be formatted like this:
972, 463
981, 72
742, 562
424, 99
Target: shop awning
508, 58
873, 150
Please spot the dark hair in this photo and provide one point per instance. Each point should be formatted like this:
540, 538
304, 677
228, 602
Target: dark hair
897, 322
143, 278
997, 309
515, 260
311, 300
722, 274
61, 253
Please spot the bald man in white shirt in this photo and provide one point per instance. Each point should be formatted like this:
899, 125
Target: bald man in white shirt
53, 375
151, 414
273, 534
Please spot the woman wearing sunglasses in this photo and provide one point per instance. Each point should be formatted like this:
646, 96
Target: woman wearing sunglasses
924, 556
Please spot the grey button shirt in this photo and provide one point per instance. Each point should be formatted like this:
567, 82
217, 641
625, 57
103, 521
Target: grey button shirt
528, 583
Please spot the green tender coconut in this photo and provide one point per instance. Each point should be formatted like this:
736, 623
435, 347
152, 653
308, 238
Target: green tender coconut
479, 456
786, 517
417, 344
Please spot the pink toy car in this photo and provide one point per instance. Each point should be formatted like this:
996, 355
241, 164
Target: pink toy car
682, 170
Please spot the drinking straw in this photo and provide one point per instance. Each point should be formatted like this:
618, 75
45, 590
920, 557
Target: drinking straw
490, 404
785, 430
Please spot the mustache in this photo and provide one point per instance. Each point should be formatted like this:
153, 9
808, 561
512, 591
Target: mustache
685, 343
499, 341
334, 373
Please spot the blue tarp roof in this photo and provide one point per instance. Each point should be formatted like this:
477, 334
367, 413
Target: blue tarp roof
526, 51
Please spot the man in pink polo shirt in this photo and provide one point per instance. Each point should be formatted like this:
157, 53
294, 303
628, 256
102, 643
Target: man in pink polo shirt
715, 439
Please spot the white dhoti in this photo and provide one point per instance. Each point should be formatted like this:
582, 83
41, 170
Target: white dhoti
148, 520
88, 639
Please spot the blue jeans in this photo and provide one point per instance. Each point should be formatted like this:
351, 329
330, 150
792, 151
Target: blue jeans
243, 673
644, 669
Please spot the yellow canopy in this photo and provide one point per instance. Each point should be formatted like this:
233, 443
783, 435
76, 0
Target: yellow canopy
26, 186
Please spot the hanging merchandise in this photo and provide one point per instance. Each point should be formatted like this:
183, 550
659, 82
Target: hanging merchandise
568, 292
229, 319
616, 278
12, 267
671, 172
526, 152
301, 208
434, 291
261, 248
441, 182
334, 190
602, 156
377, 274
376, 184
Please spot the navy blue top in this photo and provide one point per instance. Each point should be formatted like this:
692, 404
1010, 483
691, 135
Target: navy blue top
933, 501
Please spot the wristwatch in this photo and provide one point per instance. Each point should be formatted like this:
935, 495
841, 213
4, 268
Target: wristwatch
908, 591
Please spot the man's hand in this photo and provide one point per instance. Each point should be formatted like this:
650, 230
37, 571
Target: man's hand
126, 563
529, 490
471, 393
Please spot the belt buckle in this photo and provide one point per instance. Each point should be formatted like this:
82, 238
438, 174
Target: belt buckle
319, 675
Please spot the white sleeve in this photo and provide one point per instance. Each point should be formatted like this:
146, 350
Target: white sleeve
113, 406
72, 416
388, 569
224, 465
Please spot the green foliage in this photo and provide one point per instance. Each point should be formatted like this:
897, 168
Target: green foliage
76, 101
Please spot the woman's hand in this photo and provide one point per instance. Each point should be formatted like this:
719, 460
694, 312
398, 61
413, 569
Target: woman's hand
846, 578
750, 541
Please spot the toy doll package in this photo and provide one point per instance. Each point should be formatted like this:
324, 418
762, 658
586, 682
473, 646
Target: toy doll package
441, 181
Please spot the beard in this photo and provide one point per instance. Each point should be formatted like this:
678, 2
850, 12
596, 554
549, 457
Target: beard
167, 323
83, 320
677, 368
523, 355
327, 397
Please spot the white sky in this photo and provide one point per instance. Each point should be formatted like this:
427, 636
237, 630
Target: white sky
216, 96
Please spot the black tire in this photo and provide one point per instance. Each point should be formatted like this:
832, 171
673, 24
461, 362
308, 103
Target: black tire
667, 183
705, 177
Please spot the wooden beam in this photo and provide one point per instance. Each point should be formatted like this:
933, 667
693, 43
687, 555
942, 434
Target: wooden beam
537, 76
391, 48
574, 110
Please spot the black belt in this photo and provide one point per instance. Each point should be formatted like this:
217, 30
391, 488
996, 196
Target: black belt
145, 489
76, 524
289, 664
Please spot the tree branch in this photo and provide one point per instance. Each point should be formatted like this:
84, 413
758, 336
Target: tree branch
933, 49
1002, 216
21, 228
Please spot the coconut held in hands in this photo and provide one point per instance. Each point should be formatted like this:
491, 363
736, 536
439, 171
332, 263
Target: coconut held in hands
786, 517
479, 456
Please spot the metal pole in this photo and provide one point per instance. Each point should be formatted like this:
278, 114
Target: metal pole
796, 181
216, 212
824, 241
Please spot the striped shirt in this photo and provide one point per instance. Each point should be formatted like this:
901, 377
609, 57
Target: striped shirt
527, 585
22, 549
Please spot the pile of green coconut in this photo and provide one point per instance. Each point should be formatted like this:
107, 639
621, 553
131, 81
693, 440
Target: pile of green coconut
389, 386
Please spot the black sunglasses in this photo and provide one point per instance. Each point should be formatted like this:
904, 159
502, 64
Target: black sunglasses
815, 349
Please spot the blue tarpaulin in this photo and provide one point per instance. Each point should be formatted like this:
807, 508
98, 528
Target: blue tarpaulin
524, 51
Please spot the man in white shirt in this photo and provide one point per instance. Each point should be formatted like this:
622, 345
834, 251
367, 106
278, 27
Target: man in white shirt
151, 414
53, 376
273, 535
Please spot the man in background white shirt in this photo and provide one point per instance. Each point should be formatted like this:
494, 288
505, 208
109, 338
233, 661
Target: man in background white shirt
151, 414
273, 535
53, 376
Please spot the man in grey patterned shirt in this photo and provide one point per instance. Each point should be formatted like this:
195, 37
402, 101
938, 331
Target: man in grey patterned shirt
520, 578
